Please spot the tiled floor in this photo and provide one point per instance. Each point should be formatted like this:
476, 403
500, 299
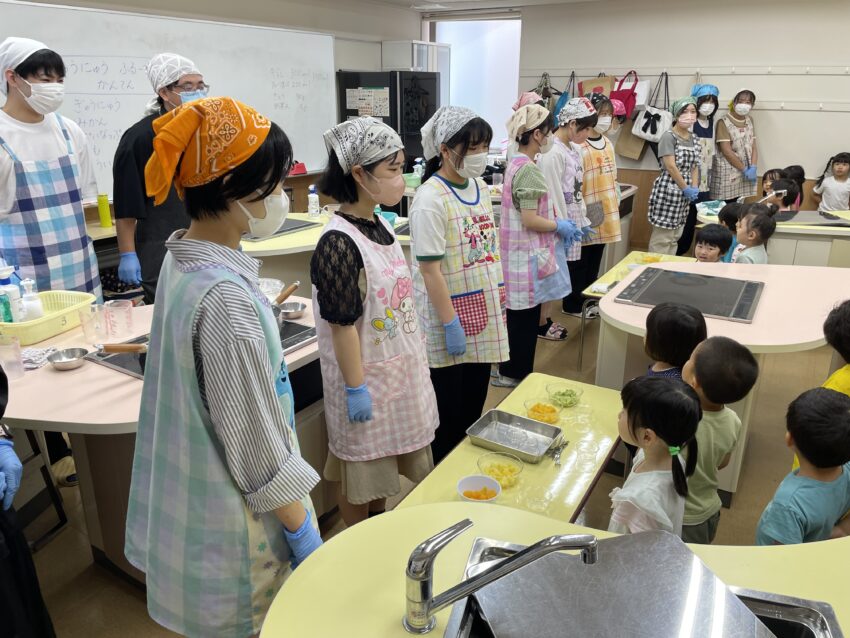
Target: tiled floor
87, 602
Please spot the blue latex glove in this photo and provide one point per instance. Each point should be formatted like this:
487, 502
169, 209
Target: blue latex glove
586, 232
11, 470
750, 173
455, 337
302, 542
359, 403
691, 193
566, 229
129, 269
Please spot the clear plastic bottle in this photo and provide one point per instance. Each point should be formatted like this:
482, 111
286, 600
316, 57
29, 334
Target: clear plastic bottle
313, 209
12, 291
32, 302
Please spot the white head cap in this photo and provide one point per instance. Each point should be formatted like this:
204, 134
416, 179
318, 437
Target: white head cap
13, 51
165, 69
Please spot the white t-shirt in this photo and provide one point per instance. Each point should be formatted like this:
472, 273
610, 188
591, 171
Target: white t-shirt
647, 501
428, 218
835, 195
42, 141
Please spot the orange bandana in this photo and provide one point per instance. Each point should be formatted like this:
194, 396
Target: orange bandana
206, 139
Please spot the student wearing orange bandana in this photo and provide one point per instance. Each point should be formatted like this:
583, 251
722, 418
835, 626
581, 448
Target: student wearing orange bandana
219, 510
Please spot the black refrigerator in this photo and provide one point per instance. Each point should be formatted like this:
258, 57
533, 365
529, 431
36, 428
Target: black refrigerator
403, 99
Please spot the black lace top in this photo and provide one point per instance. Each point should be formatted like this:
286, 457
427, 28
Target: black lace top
336, 266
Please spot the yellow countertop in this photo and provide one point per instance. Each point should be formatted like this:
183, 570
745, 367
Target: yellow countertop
95, 231
557, 492
301, 241
354, 586
621, 269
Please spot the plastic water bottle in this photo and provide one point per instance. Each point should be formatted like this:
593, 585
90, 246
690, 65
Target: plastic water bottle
12, 291
313, 209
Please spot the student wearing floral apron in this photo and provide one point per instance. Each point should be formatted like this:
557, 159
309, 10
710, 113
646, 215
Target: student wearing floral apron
706, 97
734, 171
379, 403
458, 285
564, 172
532, 241
602, 203
678, 184
46, 170
219, 510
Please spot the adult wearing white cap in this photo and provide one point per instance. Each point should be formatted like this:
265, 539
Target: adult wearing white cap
45, 173
143, 227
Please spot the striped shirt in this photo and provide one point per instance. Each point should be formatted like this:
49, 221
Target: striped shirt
235, 378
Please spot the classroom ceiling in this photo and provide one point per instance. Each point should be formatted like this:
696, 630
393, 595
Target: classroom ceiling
466, 5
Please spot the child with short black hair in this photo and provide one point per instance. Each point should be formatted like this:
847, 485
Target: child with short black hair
755, 228
810, 502
729, 216
712, 242
832, 190
721, 371
836, 329
673, 330
660, 416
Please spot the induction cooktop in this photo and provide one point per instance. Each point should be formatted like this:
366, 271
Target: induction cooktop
289, 226
718, 297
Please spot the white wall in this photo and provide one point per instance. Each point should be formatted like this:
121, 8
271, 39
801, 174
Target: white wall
488, 89
359, 25
715, 36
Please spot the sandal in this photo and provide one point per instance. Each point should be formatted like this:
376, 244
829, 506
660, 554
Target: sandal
552, 331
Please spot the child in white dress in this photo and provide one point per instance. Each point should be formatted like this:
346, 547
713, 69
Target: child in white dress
660, 415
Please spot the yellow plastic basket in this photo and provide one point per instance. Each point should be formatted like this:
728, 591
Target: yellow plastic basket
61, 313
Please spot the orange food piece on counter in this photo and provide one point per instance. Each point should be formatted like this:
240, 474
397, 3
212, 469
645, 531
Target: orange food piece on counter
484, 494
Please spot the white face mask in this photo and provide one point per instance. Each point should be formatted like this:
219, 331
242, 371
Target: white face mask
706, 109
547, 144
743, 109
603, 124
44, 98
473, 165
277, 208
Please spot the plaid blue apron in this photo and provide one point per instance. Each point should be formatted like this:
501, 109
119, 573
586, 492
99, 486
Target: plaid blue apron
45, 233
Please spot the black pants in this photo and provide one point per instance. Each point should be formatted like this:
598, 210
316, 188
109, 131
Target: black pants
22, 610
57, 448
461, 392
522, 340
583, 272
687, 237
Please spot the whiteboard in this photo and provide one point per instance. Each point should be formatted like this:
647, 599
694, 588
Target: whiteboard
286, 75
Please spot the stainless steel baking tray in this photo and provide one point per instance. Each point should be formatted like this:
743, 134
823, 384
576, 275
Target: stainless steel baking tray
503, 432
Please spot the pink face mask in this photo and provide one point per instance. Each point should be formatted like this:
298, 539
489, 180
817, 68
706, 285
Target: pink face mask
390, 190
687, 120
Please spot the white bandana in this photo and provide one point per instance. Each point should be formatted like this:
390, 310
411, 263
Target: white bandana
575, 109
362, 141
14, 51
165, 69
526, 118
443, 126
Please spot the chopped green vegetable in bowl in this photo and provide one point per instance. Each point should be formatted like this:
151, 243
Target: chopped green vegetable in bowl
563, 395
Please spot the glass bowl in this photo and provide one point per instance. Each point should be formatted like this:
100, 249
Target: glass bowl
543, 409
504, 468
564, 395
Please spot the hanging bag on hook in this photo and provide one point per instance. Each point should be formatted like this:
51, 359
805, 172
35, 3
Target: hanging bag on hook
653, 121
600, 84
631, 91
568, 93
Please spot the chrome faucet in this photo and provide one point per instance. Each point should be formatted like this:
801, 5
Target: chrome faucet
422, 605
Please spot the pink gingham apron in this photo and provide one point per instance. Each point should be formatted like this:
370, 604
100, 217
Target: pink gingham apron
395, 365
529, 259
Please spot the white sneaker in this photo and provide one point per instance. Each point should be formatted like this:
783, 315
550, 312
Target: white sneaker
504, 382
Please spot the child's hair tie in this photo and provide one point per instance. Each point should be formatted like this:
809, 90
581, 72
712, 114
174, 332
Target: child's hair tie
674, 450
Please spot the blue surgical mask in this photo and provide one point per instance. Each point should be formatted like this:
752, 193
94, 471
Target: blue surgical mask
191, 96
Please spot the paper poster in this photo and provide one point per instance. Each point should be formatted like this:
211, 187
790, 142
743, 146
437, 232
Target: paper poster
381, 102
351, 98
374, 102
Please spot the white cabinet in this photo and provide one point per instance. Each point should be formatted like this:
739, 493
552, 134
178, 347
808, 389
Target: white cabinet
804, 250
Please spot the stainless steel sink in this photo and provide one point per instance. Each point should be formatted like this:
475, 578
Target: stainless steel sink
557, 603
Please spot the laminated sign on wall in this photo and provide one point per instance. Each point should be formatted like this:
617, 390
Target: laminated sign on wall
374, 102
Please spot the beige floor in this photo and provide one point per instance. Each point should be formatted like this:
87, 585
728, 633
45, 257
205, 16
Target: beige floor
87, 602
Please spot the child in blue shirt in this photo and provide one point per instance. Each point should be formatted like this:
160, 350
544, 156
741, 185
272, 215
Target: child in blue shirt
811, 501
